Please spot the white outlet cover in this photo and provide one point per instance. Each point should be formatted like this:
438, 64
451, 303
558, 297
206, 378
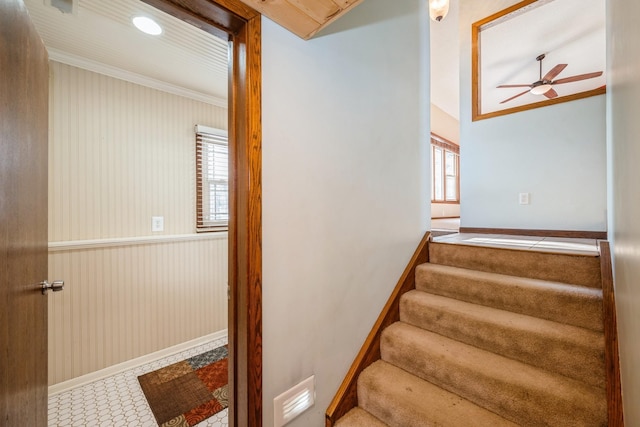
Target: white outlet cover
523, 198
157, 223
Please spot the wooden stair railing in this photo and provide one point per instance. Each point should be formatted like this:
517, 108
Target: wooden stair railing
346, 397
612, 364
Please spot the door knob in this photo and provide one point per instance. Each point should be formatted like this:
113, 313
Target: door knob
55, 286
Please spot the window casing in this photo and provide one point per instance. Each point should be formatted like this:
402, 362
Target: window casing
445, 167
212, 179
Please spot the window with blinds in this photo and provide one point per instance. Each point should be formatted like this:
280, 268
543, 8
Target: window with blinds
212, 179
445, 167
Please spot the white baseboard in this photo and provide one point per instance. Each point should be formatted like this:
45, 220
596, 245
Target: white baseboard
133, 363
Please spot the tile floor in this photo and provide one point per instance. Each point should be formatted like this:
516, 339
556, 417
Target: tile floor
545, 244
118, 401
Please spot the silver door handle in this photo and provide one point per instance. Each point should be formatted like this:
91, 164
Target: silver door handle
55, 286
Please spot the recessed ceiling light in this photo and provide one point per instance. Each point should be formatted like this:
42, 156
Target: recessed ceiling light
147, 25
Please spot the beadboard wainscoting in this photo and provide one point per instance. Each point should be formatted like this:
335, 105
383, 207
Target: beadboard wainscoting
121, 153
124, 301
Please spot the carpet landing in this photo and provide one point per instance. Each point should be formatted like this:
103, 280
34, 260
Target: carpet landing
190, 391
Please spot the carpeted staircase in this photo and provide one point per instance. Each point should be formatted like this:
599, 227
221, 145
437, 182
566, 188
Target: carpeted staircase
491, 337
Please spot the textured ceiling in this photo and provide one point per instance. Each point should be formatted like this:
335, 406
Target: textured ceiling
101, 31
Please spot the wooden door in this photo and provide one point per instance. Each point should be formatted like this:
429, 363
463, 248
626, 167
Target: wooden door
23, 219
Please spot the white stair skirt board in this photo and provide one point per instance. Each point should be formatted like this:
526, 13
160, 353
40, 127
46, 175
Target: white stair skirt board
133, 363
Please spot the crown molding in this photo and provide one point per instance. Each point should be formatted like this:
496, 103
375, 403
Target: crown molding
119, 73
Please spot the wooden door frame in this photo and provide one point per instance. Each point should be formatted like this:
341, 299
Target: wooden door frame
241, 24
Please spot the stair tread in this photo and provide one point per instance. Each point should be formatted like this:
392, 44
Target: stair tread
482, 313
358, 417
571, 304
578, 269
402, 399
490, 380
569, 350
528, 282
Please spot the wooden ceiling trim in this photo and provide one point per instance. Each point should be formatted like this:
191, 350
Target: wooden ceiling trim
303, 17
319, 10
344, 4
285, 14
201, 14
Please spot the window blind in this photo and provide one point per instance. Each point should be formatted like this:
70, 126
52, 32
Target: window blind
212, 179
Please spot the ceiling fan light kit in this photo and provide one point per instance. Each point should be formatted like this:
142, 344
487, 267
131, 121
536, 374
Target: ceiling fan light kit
540, 89
544, 86
438, 9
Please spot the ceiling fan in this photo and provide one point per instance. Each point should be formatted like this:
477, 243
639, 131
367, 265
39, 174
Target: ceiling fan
544, 86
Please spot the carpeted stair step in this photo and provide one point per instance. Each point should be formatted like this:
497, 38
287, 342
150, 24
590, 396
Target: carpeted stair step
358, 417
517, 391
574, 269
400, 399
564, 349
571, 304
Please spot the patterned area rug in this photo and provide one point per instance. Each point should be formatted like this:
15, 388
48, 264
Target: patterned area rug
187, 392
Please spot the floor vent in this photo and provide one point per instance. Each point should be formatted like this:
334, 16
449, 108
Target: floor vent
294, 402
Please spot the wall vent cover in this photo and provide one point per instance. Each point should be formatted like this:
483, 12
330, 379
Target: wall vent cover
294, 401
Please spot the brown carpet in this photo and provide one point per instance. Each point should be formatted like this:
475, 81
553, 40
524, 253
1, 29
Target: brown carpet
491, 337
190, 391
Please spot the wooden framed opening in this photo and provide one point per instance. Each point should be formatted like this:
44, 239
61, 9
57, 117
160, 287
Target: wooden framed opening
522, 13
241, 25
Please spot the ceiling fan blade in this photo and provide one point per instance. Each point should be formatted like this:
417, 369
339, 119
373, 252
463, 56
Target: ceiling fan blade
577, 78
554, 71
501, 86
551, 94
514, 97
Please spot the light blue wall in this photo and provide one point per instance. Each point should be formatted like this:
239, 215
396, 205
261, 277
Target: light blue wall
345, 187
555, 153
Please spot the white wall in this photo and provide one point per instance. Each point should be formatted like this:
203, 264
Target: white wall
623, 110
448, 127
445, 210
555, 153
345, 199
444, 124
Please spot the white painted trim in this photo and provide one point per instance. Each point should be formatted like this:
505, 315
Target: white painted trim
133, 363
212, 131
70, 245
119, 73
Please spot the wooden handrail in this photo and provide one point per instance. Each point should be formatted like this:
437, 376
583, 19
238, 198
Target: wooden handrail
346, 397
611, 360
